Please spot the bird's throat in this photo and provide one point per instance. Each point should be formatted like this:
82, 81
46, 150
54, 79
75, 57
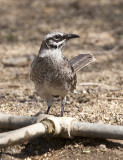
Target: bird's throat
54, 54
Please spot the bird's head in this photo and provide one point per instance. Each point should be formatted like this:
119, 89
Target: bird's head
56, 40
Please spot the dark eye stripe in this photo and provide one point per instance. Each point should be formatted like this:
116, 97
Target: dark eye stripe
57, 36
53, 46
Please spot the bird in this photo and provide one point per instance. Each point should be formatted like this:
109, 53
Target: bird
52, 73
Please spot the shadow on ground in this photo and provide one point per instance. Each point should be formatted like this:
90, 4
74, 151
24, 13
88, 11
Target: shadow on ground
40, 146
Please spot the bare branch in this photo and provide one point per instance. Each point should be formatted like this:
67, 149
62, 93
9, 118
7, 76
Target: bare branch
15, 121
21, 135
90, 84
97, 130
48, 125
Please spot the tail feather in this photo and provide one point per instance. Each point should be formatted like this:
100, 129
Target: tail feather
81, 61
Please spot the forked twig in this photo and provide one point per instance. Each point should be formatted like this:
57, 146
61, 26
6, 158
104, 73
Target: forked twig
51, 126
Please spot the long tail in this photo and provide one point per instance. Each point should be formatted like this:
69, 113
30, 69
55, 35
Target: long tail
81, 61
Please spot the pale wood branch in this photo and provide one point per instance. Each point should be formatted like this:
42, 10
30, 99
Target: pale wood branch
21, 135
15, 121
48, 125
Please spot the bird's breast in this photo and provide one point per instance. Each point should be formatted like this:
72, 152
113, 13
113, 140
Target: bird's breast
52, 74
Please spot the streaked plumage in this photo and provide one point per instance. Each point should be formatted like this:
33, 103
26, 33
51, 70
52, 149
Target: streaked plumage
53, 75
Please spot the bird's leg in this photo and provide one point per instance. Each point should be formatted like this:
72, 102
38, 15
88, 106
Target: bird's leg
62, 105
48, 109
49, 104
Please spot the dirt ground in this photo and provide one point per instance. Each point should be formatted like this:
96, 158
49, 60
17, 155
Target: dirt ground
99, 99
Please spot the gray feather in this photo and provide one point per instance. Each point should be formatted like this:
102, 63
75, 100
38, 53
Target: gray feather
81, 61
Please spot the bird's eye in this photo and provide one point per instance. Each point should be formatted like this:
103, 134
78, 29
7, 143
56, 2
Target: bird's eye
57, 37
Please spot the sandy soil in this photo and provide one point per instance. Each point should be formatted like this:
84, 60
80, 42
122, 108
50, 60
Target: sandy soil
23, 24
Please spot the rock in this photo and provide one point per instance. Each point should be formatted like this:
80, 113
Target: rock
31, 97
84, 91
102, 146
15, 61
22, 99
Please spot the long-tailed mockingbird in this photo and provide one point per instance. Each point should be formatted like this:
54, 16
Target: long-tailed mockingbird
52, 73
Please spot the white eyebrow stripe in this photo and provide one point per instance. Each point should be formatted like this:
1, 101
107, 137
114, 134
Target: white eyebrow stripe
58, 43
51, 35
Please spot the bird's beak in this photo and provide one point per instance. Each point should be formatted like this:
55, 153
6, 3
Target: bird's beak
70, 36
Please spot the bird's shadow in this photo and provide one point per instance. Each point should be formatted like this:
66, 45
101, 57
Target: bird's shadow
41, 146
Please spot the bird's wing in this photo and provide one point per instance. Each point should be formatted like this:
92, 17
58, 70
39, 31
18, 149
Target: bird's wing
81, 61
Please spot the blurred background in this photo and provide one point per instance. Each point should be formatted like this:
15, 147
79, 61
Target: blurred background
23, 24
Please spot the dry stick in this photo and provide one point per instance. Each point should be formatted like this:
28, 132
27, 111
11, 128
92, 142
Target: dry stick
89, 84
21, 135
97, 130
114, 98
8, 121
60, 126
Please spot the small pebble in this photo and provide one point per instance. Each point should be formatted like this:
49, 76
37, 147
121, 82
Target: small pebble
102, 146
84, 91
22, 100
